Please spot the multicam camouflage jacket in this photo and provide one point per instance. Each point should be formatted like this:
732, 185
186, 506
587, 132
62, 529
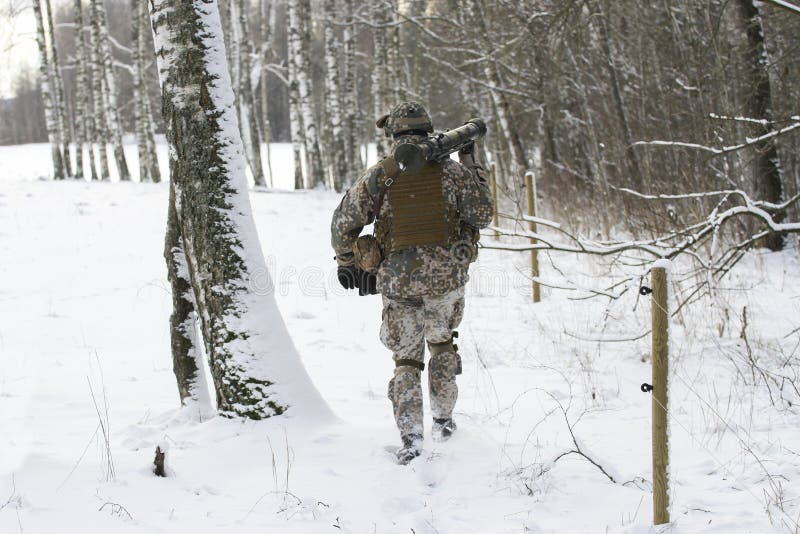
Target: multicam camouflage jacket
423, 270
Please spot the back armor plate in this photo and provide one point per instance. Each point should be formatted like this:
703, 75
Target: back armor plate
419, 210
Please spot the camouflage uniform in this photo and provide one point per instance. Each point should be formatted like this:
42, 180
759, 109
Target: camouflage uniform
422, 286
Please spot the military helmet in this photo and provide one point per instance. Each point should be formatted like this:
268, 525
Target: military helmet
406, 117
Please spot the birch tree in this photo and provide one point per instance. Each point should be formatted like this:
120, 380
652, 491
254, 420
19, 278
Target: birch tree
108, 78
145, 136
81, 96
381, 75
246, 97
267, 12
350, 99
99, 98
185, 340
58, 92
48, 97
254, 367
298, 132
316, 171
336, 143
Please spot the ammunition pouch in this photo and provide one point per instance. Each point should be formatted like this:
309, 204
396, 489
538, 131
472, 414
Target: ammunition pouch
367, 253
465, 249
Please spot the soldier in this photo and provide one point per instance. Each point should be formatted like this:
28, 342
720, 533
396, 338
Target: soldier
425, 237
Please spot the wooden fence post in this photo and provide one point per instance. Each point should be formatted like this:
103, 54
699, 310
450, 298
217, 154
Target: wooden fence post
530, 186
493, 178
660, 357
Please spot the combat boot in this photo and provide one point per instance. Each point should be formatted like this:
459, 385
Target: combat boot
412, 447
443, 428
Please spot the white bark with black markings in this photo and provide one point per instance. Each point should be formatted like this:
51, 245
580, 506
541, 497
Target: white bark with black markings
100, 23
48, 98
255, 368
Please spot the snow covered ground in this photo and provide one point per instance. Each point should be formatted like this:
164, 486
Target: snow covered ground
87, 391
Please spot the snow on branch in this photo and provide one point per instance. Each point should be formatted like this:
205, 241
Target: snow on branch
669, 245
119, 46
725, 150
785, 5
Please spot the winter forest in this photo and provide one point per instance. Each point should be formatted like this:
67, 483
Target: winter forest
179, 350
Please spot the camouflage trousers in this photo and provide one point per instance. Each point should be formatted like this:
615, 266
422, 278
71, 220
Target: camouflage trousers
407, 325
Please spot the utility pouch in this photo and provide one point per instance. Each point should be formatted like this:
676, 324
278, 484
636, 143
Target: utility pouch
367, 252
465, 250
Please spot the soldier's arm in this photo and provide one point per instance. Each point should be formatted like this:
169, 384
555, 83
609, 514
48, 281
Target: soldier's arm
475, 198
350, 217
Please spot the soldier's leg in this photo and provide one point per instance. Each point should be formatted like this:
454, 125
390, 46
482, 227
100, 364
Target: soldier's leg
442, 315
402, 333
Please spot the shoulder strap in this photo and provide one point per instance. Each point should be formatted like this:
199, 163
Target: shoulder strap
390, 172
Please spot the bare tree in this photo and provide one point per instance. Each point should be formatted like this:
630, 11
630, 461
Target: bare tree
99, 96
335, 145
766, 167
81, 95
350, 90
58, 91
108, 79
48, 96
246, 98
143, 120
267, 13
298, 132
381, 73
300, 10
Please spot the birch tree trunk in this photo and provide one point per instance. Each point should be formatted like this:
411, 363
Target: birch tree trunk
351, 107
766, 166
336, 146
99, 119
267, 31
85, 116
232, 44
246, 100
255, 368
398, 87
316, 171
145, 137
100, 131
48, 98
138, 87
185, 342
64, 126
109, 81
380, 72
81, 95
150, 129
293, 36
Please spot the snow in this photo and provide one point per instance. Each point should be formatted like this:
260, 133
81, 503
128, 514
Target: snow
84, 308
663, 263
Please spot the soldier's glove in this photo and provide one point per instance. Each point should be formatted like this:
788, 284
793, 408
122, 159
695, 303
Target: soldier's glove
349, 276
468, 149
367, 284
